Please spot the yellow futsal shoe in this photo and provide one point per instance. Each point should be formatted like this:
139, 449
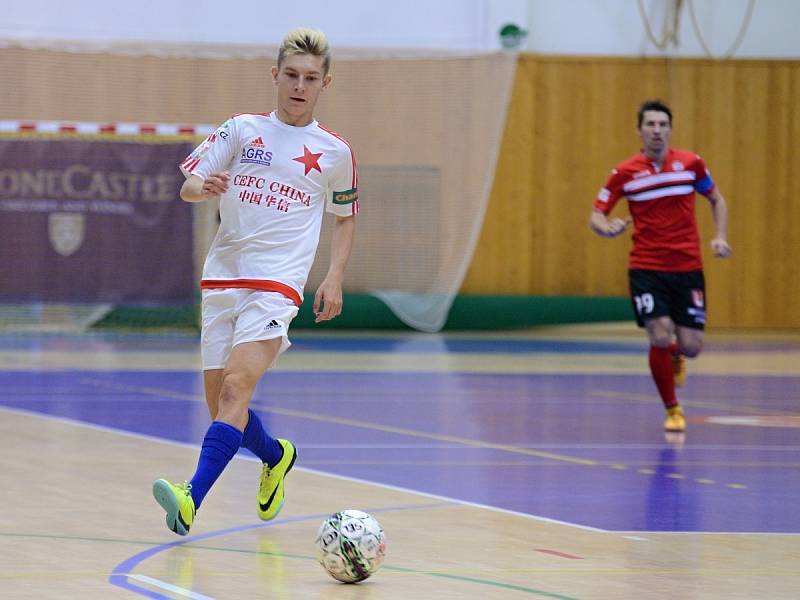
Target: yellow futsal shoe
270, 492
679, 369
178, 502
675, 419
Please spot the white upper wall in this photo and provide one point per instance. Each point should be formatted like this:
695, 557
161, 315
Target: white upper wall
604, 27
348, 23
616, 27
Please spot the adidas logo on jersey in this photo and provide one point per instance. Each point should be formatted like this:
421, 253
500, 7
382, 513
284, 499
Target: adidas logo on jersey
255, 153
272, 325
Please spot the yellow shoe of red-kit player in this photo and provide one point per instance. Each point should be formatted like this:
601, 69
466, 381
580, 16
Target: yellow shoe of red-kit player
675, 421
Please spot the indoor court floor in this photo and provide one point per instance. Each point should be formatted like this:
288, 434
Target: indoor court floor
515, 465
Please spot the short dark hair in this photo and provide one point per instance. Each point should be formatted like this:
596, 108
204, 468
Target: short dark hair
653, 105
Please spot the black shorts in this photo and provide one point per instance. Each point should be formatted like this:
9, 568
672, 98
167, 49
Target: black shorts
679, 296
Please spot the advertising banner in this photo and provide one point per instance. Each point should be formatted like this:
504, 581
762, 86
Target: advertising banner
94, 220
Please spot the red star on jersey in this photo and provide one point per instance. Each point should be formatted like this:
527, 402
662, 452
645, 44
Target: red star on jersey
309, 159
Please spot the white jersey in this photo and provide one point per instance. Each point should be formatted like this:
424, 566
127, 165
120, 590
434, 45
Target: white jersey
282, 177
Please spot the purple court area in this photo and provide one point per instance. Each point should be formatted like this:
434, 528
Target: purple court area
582, 448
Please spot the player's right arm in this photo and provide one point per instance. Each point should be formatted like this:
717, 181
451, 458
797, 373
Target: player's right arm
606, 227
197, 189
607, 197
206, 168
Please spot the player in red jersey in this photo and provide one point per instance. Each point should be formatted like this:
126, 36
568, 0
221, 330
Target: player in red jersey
667, 286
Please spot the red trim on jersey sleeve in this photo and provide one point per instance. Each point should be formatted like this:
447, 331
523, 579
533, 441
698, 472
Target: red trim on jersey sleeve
354, 183
190, 164
264, 285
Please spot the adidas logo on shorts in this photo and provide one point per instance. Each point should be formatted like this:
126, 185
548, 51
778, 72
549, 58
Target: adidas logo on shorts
272, 325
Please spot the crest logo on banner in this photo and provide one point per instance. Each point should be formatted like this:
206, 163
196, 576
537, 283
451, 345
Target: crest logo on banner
66, 231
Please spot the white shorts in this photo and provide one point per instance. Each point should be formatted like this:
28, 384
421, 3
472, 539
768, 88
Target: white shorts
232, 316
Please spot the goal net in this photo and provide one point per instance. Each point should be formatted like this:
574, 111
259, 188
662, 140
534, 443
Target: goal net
426, 131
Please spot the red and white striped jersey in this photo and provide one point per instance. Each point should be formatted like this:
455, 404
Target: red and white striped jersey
282, 179
661, 203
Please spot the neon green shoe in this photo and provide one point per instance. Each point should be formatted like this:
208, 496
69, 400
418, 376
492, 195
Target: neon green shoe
177, 501
270, 492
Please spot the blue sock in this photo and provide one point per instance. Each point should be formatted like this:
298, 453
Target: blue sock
259, 443
222, 441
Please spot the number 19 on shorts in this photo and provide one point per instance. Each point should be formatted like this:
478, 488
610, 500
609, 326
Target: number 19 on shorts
644, 303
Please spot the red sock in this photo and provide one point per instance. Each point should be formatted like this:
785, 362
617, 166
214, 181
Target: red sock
661, 369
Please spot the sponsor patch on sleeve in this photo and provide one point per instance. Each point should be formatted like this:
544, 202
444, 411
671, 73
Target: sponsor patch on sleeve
347, 197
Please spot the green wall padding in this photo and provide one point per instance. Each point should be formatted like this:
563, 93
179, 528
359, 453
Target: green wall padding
481, 312
361, 311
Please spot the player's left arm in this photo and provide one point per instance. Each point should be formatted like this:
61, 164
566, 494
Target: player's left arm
719, 212
328, 299
719, 208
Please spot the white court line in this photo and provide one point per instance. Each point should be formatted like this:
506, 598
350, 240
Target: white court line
387, 486
168, 586
455, 500
315, 472
567, 446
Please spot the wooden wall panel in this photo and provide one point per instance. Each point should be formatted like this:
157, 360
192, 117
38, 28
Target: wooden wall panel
51, 85
572, 119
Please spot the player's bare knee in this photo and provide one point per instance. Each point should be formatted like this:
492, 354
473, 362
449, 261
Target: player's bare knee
692, 349
235, 388
660, 339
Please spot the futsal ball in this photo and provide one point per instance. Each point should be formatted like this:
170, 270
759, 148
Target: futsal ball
351, 545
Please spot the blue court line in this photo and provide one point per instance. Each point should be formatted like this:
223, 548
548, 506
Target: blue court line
401, 343
120, 575
766, 508
413, 343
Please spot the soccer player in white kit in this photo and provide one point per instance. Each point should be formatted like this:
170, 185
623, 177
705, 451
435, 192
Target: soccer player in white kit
275, 174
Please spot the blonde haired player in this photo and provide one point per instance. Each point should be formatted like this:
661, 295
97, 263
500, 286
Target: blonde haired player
275, 173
